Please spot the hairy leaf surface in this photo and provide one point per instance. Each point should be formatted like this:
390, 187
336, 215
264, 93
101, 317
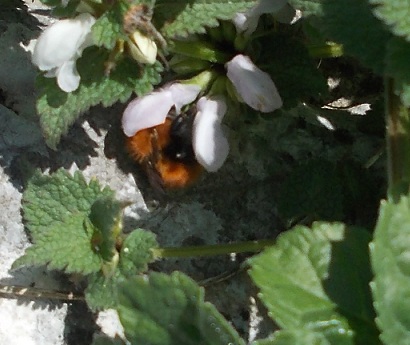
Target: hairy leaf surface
161, 309
390, 255
317, 277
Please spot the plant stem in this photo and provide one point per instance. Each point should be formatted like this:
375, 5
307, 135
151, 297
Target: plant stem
217, 249
398, 142
7, 291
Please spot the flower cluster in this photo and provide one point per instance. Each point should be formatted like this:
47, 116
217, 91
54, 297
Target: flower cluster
251, 85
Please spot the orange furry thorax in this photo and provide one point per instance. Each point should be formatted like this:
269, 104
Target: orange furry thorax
155, 149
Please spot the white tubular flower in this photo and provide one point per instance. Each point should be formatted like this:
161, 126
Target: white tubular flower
152, 109
209, 142
60, 45
247, 22
254, 86
142, 48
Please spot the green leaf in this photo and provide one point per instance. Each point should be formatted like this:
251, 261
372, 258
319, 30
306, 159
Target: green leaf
162, 309
319, 277
318, 334
54, 209
108, 28
390, 253
307, 191
63, 246
50, 200
106, 222
398, 55
343, 22
102, 291
135, 254
395, 13
180, 18
58, 110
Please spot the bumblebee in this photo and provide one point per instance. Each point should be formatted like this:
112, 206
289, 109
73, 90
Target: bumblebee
166, 152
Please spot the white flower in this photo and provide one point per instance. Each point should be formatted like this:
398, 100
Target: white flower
254, 86
152, 109
60, 45
209, 142
142, 48
247, 22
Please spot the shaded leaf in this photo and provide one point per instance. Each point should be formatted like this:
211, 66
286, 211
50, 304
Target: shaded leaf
102, 291
162, 309
312, 190
106, 222
351, 23
287, 60
397, 66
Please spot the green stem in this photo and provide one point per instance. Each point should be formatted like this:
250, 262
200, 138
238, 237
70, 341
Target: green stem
10, 291
217, 249
199, 50
328, 50
398, 142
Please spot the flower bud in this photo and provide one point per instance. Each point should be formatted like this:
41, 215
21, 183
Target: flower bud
142, 48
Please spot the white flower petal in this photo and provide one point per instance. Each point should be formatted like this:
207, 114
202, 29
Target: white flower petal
147, 111
209, 142
68, 78
183, 94
254, 86
62, 41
